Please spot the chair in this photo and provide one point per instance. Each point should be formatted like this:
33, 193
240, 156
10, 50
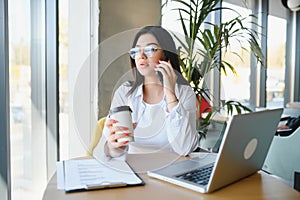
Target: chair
96, 136
283, 158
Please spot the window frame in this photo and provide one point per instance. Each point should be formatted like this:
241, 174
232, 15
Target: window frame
297, 59
5, 185
52, 86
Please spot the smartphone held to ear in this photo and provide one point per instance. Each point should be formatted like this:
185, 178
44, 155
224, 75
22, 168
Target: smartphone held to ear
160, 76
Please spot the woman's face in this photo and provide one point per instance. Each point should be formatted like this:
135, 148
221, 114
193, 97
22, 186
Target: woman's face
148, 53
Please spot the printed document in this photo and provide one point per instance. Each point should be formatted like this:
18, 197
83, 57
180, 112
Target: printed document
88, 174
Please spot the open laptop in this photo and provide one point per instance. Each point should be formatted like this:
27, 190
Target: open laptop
245, 144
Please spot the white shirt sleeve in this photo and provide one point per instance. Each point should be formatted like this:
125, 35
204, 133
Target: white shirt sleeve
181, 122
101, 151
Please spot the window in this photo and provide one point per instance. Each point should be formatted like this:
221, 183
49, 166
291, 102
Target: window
276, 61
27, 98
170, 17
32, 88
63, 80
236, 87
248, 86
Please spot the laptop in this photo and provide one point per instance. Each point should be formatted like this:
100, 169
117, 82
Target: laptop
242, 152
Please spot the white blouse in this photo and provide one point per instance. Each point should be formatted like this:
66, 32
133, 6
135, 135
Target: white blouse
157, 128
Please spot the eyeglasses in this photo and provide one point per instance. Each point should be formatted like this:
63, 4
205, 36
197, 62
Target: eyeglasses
137, 51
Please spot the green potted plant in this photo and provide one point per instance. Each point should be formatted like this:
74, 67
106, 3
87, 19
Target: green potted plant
213, 39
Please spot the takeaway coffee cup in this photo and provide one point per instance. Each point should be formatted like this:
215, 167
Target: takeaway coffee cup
122, 115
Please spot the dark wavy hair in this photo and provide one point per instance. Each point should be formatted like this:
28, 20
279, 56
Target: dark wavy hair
167, 44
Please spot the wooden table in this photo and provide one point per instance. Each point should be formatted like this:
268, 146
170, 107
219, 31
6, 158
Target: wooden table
257, 186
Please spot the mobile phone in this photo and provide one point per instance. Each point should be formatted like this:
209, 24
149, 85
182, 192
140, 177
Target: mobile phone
159, 74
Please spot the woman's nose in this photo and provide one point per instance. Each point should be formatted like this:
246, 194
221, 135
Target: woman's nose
142, 53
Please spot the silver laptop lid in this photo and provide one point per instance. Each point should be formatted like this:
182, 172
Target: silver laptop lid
244, 147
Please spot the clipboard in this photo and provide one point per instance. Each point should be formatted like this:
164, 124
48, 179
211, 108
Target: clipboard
91, 174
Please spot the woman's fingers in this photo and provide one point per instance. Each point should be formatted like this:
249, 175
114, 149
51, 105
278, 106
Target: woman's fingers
110, 122
113, 140
115, 137
115, 129
170, 76
167, 69
116, 133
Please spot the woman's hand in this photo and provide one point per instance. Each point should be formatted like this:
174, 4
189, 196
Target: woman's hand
112, 140
169, 82
113, 136
169, 76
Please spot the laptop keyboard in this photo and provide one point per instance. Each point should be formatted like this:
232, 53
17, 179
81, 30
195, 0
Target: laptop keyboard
199, 176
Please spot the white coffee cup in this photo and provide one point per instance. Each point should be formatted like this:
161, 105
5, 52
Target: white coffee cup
122, 115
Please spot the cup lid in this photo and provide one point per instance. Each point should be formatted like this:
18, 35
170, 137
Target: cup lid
119, 109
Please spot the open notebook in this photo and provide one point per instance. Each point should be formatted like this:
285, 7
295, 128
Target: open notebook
90, 174
245, 144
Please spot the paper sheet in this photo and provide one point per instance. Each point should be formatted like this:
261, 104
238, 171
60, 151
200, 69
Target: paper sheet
92, 174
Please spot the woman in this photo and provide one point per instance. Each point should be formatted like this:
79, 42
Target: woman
163, 111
